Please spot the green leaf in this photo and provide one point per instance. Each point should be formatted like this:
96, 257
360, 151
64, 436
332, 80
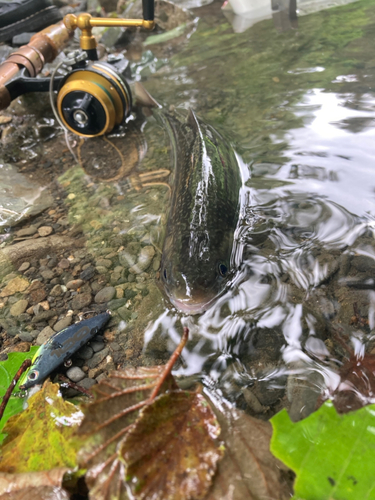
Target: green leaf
39, 438
8, 369
332, 454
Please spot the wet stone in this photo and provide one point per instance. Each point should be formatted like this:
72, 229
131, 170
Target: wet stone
43, 316
24, 318
19, 307
75, 374
44, 335
64, 264
38, 295
34, 333
116, 304
62, 323
45, 230
86, 352
13, 331
105, 295
81, 300
27, 231
98, 358
48, 274
97, 346
363, 264
88, 273
101, 270
124, 313
24, 267
103, 263
87, 383
56, 291
26, 336
74, 284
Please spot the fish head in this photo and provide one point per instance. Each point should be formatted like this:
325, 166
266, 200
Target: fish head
193, 284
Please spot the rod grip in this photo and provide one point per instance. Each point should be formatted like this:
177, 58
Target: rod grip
148, 10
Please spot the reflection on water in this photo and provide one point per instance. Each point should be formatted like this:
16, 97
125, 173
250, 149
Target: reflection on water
300, 109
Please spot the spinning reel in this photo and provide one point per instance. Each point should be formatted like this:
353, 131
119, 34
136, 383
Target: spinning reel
94, 96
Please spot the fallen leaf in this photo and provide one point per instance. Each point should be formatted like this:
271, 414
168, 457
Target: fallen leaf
33, 485
8, 369
171, 452
248, 470
332, 454
39, 438
107, 420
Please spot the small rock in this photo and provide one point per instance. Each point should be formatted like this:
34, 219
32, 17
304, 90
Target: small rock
116, 304
75, 374
86, 352
64, 264
56, 291
47, 275
74, 284
126, 259
44, 335
24, 267
15, 285
45, 305
101, 269
34, 333
104, 263
88, 273
45, 230
26, 336
27, 231
97, 358
97, 346
81, 300
62, 323
43, 316
105, 295
124, 313
87, 383
19, 307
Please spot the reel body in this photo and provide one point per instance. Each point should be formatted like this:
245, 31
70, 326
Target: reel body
92, 100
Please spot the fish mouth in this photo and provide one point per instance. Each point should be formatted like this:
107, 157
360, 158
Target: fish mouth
192, 308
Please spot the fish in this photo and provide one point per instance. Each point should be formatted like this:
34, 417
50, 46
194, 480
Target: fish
199, 256
60, 347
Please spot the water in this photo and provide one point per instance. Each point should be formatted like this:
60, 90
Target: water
299, 108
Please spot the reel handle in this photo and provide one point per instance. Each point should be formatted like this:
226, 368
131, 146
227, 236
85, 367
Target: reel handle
85, 22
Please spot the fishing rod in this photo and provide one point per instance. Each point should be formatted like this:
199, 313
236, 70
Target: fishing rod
93, 97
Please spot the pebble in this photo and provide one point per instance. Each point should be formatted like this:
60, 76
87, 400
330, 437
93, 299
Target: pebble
15, 285
45, 230
75, 374
87, 383
34, 333
47, 275
27, 231
88, 273
105, 294
116, 303
62, 323
74, 284
101, 269
97, 358
86, 352
26, 336
24, 267
56, 291
44, 335
145, 258
119, 292
64, 264
126, 259
43, 316
81, 300
124, 313
38, 296
19, 307
103, 263
97, 346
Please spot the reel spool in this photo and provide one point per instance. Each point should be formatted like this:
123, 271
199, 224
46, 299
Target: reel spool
91, 101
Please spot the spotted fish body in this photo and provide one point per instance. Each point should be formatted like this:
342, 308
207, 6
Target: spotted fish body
197, 259
60, 347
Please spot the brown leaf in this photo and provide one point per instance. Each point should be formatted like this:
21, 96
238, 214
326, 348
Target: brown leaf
107, 420
171, 451
33, 485
248, 470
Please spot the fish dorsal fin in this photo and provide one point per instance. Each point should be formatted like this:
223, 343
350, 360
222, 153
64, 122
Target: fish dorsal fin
143, 98
192, 120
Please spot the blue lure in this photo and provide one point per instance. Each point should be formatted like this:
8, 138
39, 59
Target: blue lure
60, 347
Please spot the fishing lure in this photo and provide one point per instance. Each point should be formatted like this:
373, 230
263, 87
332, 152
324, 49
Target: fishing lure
60, 347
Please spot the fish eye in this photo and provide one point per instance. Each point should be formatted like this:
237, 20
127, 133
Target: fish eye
223, 270
33, 375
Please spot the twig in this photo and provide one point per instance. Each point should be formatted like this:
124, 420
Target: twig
74, 386
170, 364
25, 365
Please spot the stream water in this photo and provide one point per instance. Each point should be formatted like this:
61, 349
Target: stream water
299, 108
